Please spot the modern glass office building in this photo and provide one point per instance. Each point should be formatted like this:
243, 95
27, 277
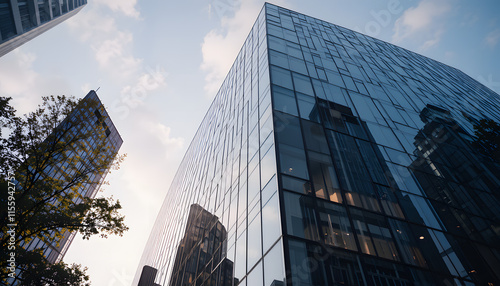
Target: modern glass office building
332, 158
103, 145
23, 20
92, 144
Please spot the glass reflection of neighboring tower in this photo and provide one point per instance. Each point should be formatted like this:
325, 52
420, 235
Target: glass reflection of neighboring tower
463, 186
356, 165
201, 254
202, 251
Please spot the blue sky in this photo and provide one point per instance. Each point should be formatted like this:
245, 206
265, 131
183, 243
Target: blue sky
159, 64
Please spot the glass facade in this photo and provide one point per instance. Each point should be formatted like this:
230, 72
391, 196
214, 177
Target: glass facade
106, 138
23, 20
332, 158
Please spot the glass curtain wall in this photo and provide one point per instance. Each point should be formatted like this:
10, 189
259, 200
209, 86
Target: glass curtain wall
332, 158
379, 181
220, 222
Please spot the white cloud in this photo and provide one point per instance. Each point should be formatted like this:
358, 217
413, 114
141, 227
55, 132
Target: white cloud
113, 54
422, 23
221, 46
91, 22
112, 46
17, 74
147, 82
492, 38
127, 7
20, 80
171, 145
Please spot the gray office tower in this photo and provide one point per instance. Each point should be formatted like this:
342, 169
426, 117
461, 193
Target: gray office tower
23, 20
332, 158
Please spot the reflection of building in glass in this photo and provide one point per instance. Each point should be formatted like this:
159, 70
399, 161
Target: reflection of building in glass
307, 157
201, 252
444, 150
148, 275
462, 186
21, 21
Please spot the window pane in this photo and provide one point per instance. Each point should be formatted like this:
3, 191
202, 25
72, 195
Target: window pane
271, 224
284, 100
254, 240
267, 166
281, 77
278, 59
324, 178
296, 185
300, 216
256, 277
307, 107
374, 235
302, 84
287, 129
297, 65
335, 226
273, 266
315, 137
293, 161
298, 263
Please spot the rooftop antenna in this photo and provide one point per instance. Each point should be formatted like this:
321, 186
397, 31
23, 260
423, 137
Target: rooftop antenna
97, 89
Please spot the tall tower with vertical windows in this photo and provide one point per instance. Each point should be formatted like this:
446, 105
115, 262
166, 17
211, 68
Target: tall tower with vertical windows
23, 20
92, 117
67, 167
329, 157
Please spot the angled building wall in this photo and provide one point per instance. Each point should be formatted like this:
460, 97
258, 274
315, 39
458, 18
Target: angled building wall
333, 158
21, 21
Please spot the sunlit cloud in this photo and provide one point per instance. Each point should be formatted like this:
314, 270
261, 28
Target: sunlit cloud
20, 80
112, 46
423, 23
221, 46
170, 144
113, 55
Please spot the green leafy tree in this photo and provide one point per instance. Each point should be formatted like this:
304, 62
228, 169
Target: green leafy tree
52, 158
39, 272
488, 138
